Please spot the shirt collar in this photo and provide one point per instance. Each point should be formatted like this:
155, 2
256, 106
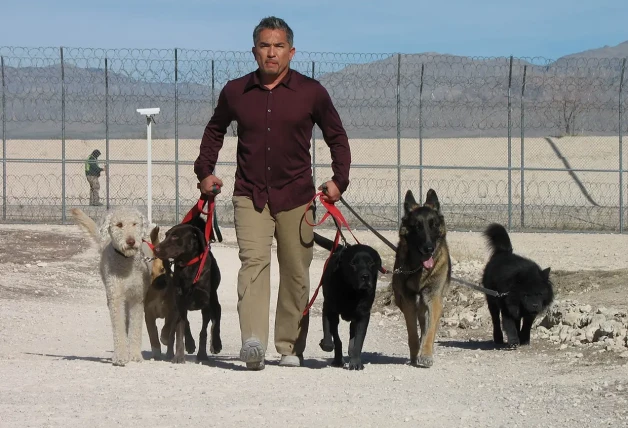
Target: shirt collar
288, 81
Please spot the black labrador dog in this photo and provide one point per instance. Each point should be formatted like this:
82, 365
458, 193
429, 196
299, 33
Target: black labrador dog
348, 283
184, 244
528, 287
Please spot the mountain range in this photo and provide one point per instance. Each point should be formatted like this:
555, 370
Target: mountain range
428, 94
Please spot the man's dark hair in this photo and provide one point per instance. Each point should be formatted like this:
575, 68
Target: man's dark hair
272, 23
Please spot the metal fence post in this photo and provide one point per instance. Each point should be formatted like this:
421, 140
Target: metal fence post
176, 133
522, 170
421, 133
107, 131
398, 140
4, 144
314, 138
510, 146
63, 202
621, 152
213, 94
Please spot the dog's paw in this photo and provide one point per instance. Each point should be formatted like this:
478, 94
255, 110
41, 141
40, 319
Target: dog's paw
178, 359
498, 341
120, 362
337, 363
190, 346
424, 361
512, 346
137, 358
157, 355
355, 364
202, 356
215, 346
524, 342
327, 347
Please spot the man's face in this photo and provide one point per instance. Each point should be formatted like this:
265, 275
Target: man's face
272, 52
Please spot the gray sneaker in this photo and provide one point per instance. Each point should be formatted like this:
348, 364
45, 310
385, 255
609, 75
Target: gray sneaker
252, 353
291, 360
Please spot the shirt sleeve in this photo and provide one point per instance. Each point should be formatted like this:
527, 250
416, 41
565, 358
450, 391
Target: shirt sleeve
328, 120
213, 137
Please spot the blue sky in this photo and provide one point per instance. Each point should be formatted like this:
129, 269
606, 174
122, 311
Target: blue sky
549, 28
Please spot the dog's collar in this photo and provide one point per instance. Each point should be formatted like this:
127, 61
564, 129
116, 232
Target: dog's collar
193, 261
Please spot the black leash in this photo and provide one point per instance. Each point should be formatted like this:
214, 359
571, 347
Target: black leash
379, 235
394, 248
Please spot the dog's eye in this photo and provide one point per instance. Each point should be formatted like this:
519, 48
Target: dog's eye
119, 225
134, 224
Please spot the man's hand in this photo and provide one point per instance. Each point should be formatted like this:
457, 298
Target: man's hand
331, 192
209, 184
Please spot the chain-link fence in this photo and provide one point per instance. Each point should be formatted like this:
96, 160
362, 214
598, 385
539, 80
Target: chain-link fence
531, 143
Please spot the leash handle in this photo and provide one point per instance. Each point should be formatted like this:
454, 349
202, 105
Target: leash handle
215, 189
334, 212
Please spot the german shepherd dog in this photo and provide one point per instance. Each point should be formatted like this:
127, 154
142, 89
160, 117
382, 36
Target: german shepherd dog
423, 273
528, 287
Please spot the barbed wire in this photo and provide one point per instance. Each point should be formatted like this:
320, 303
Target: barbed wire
88, 93
444, 93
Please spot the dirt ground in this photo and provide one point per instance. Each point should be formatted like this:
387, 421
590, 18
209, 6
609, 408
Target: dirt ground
56, 345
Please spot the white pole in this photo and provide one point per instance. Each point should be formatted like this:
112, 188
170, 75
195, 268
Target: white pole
149, 112
149, 165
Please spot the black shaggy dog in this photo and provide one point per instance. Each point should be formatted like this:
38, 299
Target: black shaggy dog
528, 287
349, 283
184, 243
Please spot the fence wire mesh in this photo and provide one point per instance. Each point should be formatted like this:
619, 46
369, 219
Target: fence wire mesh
532, 143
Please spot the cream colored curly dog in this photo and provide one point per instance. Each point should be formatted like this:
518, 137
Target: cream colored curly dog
125, 274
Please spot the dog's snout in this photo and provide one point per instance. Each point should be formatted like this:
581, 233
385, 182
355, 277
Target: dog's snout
365, 277
130, 242
428, 248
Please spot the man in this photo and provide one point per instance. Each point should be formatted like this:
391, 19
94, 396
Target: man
275, 109
92, 172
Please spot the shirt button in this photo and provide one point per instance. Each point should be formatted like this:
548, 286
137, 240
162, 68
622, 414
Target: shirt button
271, 92
269, 149
268, 110
269, 168
269, 129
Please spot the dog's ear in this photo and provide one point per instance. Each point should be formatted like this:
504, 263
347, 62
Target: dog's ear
545, 274
200, 236
431, 200
154, 235
409, 203
105, 226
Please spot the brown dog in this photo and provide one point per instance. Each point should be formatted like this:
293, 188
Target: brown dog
160, 302
424, 273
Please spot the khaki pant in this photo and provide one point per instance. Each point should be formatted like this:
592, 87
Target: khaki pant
295, 238
94, 188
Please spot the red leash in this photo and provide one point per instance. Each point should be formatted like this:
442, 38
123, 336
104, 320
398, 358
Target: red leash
194, 211
340, 220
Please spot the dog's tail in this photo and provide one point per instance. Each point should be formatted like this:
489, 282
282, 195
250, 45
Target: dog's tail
321, 241
86, 223
498, 239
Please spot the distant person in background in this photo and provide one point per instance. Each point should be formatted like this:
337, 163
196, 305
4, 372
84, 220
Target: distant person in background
92, 172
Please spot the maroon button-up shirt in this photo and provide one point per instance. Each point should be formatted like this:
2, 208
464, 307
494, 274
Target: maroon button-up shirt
274, 165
